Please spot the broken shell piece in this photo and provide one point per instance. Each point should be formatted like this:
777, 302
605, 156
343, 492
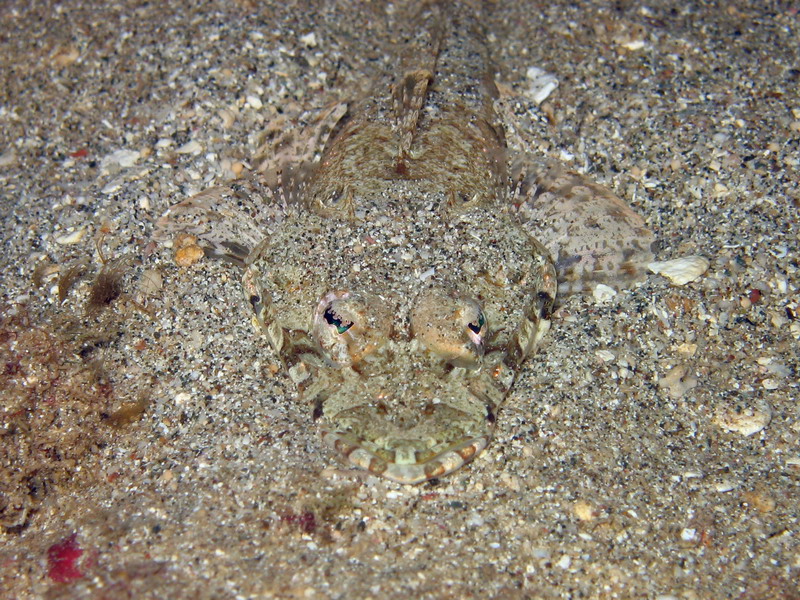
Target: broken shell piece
681, 271
679, 380
746, 421
151, 282
542, 84
71, 238
603, 293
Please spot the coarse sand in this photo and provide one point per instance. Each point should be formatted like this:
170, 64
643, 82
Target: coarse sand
151, 447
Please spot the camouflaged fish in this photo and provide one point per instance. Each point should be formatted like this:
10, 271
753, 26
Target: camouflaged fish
392, 269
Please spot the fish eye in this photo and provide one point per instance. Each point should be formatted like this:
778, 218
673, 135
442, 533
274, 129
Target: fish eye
452, 328
335, 320
477, 326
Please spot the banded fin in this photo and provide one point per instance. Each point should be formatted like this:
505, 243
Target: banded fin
591, 234
292, 148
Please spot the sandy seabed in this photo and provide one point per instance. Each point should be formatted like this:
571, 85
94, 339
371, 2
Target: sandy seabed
150, 446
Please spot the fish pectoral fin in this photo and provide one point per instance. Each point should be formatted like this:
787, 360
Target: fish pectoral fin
593, 236
227, 221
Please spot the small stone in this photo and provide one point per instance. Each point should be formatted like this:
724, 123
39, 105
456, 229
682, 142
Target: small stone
605, 355
726, 485
687, 349
184, 239
564, 562
124, 158
64, 57
8, 158
678, 381
681, 271
255, 102
228, 118
771, 384
112, 187
188, 255
689, 535
583, 510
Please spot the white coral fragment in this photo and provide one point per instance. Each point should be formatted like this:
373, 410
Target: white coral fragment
681, 271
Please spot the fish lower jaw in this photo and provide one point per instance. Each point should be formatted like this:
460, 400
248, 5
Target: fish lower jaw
404, 466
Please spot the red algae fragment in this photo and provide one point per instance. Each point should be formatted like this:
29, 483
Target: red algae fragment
306, 521
62, 560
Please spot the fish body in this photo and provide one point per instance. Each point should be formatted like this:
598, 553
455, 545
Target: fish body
400, 285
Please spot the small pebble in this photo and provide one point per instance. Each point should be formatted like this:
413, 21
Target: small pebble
8, 158
689, 535
726, 485
124, 158
255, 102
309, 40
583, 510
678, 381
188, 255
605, 355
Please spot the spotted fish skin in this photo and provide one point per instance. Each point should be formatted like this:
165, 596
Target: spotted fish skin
402, 292
399, 283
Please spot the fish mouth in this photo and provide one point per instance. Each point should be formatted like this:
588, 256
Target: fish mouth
411, 438
405, 463
414, 419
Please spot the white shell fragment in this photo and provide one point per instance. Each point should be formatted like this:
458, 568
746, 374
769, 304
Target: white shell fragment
309, 40
192, 147
8, 158
603, 293
124, 158
681, 271
151, 282
542, 84
747, 421
73, 237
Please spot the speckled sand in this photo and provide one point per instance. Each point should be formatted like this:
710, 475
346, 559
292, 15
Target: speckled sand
620, 468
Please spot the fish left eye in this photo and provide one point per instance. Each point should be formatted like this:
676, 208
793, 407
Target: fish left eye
331, 318
477, 326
